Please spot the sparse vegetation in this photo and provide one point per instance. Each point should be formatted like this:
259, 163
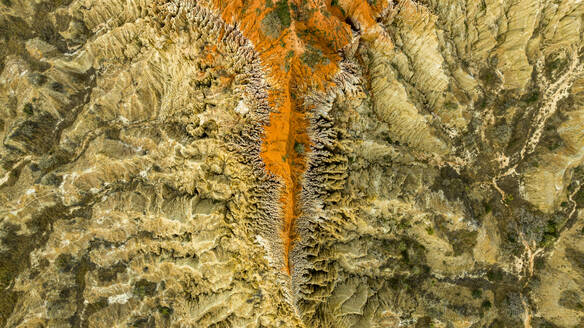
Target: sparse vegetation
313, 57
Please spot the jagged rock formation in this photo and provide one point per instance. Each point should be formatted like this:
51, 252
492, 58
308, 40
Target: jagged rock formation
139, 149
291, 163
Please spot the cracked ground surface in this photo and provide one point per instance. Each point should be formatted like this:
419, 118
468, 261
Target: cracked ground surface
303, 163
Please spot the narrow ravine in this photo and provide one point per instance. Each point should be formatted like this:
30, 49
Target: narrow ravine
298, 43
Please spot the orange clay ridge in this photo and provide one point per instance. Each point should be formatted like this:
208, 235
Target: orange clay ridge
298, 43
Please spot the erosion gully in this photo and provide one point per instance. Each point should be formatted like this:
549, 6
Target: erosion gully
298, 43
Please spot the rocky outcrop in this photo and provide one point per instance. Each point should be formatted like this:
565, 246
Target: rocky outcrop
291, 164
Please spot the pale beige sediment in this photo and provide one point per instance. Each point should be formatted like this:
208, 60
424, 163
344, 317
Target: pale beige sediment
443, 186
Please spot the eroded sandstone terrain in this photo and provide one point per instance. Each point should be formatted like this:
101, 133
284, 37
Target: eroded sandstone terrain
300, 163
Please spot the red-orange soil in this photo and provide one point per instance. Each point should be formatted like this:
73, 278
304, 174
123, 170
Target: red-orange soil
298, 43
